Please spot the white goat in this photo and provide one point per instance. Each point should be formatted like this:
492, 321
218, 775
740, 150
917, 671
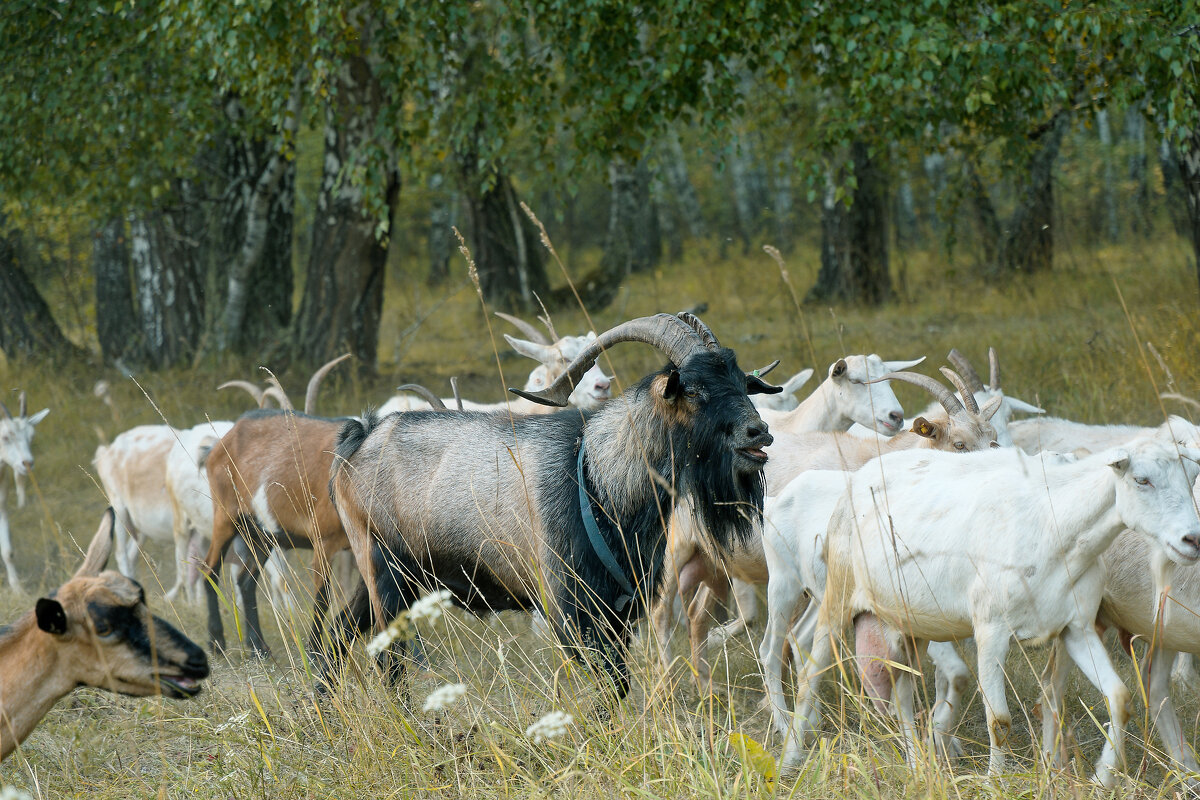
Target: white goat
854, 391
16, 440
995, 545
553, 358
785, 400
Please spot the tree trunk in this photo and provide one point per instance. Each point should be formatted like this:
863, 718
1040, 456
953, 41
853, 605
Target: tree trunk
1135, 134
907, 230
676, 177
935, 172
116, 323
647, 232
629, 245
986, 222
28, 331
854, 239
1028, 244
252, 261
740, 166
168, 281
1108, 183
668, 219
441, 235
508, 254
1189, 172
343, 290
783, 204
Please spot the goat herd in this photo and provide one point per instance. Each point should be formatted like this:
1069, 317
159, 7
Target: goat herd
962, 523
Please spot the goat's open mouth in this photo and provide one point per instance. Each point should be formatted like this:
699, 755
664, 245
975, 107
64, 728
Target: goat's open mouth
755, 454
179, 685
887, 425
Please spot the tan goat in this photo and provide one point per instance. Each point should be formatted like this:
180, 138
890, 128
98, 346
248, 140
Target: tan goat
94, 630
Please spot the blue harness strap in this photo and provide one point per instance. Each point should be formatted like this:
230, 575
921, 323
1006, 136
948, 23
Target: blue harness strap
597, 539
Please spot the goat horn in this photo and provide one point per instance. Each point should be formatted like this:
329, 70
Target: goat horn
964, 390
994, 363
528, 331
676, 337
457, 396
943, 395
706, 335
966, 369
314, 383
4, 408
758, 373
1181, 398
22, 405
276, 390
254, 391
420, 390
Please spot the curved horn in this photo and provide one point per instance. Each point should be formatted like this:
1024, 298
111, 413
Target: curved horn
314, 383
758, 373
1165, 396
424, 393
994, 363
528, 331
675, 337
4, 408
703, 331
966, 370
968, 396
254, 391
22, 405
457, 396
276, 390
944, 396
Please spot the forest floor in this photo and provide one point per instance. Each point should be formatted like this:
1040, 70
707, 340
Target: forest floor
1073, 341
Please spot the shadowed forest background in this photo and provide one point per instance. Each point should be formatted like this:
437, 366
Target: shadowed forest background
196, 181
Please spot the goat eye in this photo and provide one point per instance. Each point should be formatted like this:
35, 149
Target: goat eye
691, 393
103, 627
1142, 481
995, 444
960, 446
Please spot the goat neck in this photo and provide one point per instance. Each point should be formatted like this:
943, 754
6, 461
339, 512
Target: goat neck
33, 677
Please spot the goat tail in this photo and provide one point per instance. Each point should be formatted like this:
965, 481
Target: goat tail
349, 439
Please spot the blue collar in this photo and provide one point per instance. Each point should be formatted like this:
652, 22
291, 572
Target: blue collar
597, 539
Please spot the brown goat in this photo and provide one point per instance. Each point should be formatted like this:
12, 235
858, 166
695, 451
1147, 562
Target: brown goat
268, 478
94, 630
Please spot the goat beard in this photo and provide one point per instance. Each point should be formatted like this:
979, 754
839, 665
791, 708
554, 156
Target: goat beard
727, 502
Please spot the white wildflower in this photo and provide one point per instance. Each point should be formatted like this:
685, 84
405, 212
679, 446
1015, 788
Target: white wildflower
444, 696
551, 726
383, 640
233, 722
429, 607
13, 793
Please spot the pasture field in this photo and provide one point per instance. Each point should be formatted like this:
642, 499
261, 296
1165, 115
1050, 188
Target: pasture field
1073, 341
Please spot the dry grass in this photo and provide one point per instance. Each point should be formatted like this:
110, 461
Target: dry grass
1065, 342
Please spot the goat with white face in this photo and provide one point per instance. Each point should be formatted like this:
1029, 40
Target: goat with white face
984, 393
995, 545
846, 396
16, 452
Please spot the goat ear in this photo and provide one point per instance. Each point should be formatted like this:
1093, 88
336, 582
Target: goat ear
538, 352
100, 548
838, 369
923, 427
1120, 462
990, 408
51, 616
672, 387
796, 381
1025, 408
38, 417
897, 366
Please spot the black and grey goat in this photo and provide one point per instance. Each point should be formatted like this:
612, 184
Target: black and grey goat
566, 511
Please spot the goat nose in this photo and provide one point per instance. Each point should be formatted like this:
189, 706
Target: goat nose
28, 464
602, 386
756, 431
1193, 540
197, 664
896, 418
